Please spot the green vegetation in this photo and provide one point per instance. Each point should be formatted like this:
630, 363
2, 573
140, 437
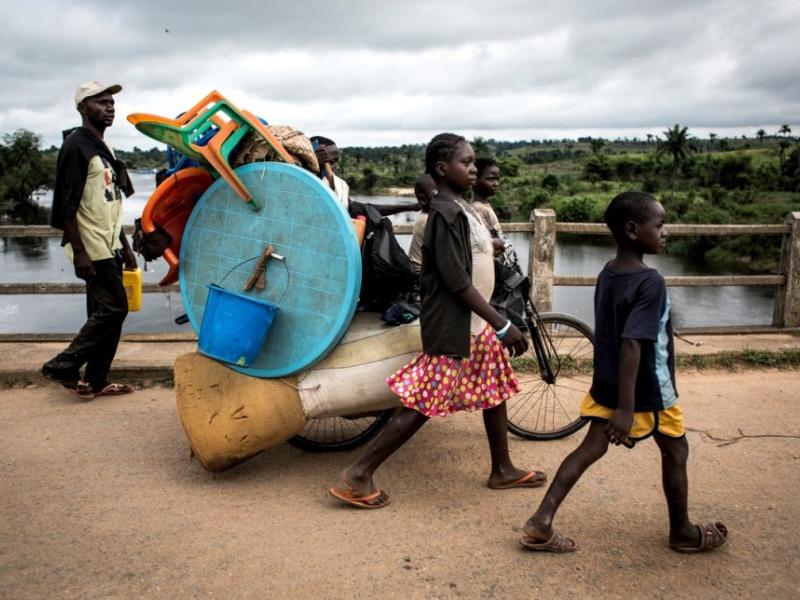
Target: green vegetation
23, 170
729, 360
781, 359
26, 168
714, 180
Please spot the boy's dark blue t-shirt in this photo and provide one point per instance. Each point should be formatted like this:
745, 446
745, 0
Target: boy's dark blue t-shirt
636, 306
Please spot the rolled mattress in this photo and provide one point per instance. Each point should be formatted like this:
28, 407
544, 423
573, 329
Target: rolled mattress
230, 417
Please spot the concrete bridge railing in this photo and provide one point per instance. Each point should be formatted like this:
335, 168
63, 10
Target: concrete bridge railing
543, 229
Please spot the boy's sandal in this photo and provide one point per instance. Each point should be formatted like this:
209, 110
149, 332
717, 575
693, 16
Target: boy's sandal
557, 543
81, 390
114, 389
712, 536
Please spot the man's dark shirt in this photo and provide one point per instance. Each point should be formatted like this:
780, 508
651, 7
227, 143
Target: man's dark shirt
80, 146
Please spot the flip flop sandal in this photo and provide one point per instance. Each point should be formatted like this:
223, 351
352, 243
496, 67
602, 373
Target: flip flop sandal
114, 389
81, 390
712, 536
350, 497
531, 479
557, 543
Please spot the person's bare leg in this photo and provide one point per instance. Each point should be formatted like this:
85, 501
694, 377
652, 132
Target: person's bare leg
495, 421
674, 456
401, 427
593, 447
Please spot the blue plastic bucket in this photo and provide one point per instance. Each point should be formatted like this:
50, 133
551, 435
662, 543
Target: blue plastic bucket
234, 326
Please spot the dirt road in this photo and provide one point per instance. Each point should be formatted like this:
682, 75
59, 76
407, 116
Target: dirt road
100, 500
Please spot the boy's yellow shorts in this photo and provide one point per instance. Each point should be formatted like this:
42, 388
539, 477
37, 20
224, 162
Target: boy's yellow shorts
668, 422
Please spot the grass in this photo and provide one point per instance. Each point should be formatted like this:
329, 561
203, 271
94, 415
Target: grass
23, 380
749, 359
728, 361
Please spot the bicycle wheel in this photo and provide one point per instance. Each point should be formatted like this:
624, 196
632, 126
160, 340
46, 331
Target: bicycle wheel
335, 434
549, 411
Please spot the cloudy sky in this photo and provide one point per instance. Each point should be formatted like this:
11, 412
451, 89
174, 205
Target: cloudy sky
384, 73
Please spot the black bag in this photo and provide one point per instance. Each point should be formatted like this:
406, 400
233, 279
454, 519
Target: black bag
386, 268
511, 291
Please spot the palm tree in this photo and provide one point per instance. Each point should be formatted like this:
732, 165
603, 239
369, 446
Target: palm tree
785, 129
712, 137
761, 134
678, 144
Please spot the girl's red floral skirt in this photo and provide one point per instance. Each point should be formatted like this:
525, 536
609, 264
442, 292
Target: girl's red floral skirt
439, 385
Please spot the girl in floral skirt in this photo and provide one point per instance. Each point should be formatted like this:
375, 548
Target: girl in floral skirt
463, 365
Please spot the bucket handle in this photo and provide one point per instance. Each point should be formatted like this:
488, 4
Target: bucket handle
244, 262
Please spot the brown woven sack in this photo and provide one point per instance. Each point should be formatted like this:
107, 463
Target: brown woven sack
253, 148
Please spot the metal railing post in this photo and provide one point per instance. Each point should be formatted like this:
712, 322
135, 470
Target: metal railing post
541, 258
787, 297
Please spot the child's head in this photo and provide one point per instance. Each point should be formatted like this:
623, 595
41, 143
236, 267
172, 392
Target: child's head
637, 219
449, 159
425, 190
488, 181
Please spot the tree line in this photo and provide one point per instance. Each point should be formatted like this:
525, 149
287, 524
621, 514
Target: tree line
716, 179
26, 168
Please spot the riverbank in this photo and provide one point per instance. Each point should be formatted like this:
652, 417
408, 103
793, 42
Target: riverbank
106, 503
396, 191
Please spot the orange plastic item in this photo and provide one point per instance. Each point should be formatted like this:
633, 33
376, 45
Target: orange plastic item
212, 152
169, 207
183, 133
255, 122
198, 109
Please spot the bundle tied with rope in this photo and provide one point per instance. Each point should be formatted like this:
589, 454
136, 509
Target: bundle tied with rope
253, 148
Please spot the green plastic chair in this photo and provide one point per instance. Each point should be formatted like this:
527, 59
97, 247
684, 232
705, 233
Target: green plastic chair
184, 132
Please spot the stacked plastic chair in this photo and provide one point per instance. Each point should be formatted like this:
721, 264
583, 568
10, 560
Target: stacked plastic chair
169, 208
208, 133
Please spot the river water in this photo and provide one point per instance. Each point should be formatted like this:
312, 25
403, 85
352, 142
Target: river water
43, 260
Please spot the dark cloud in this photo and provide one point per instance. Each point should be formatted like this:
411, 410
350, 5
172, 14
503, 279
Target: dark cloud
390, 70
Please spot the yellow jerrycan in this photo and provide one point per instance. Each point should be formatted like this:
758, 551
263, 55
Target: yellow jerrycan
132, 282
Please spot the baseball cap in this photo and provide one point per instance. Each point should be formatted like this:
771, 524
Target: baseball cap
91, 88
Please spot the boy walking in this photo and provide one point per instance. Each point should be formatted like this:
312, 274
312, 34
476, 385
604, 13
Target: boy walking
633, 394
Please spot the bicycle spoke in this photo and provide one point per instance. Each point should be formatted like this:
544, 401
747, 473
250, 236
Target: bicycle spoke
546, 411
529, 395
544, 403
564, 410
572, 389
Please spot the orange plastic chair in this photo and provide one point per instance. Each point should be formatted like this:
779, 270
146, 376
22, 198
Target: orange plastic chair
183, 133
169, 207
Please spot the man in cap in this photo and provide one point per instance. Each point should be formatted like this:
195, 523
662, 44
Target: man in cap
87, 206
